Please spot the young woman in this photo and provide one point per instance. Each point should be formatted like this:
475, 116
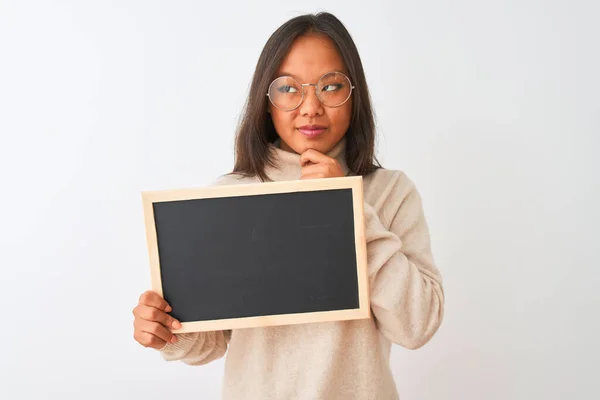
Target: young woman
309, 116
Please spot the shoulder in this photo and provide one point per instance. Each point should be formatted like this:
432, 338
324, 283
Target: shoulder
388, 183
390, 192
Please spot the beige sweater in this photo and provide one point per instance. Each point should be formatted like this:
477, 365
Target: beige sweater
338, 360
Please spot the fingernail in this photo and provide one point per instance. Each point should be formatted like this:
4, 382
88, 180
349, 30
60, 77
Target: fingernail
169, 309
174, 339
176, 324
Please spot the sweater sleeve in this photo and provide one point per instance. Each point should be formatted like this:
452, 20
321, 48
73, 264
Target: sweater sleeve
406, 292
197, 348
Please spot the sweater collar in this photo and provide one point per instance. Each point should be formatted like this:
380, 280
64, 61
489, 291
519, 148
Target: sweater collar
287, 164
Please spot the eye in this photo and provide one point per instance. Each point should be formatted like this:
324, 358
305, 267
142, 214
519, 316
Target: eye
287, 89
332, 87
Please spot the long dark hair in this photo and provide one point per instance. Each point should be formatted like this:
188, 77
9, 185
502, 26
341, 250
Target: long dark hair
256, 130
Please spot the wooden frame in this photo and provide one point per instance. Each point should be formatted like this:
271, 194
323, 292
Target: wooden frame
353, 183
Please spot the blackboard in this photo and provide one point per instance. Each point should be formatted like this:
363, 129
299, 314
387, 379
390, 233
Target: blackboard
262, 254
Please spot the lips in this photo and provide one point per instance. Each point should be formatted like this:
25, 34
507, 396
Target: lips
312, 131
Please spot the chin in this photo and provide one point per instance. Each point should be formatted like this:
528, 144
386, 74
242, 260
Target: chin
301, 147
321, 144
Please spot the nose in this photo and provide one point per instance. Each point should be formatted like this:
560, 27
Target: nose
311, 106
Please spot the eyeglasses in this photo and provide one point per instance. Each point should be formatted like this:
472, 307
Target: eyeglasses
333, 89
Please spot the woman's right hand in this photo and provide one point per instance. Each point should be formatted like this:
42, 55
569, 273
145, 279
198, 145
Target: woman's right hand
152, 325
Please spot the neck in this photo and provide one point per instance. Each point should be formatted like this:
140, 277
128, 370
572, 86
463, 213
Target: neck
286, 164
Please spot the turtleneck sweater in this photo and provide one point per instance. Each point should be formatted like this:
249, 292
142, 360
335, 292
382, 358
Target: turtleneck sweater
338, 360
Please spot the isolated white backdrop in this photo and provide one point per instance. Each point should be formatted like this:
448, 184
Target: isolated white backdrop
491, 107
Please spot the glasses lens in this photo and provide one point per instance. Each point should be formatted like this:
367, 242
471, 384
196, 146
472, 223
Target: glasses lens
285, 93
334, 89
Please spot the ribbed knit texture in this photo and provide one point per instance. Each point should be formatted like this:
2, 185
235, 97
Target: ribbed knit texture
338, 360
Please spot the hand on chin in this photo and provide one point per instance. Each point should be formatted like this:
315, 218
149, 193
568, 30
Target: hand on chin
317, 165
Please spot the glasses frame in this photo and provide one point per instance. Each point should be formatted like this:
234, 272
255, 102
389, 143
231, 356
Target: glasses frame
303, 85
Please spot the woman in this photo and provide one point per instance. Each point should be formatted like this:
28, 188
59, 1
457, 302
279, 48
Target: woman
309, 116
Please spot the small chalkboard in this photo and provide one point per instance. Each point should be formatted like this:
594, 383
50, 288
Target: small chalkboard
261, 254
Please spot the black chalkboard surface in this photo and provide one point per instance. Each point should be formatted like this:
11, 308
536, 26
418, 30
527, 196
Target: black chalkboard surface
263, 254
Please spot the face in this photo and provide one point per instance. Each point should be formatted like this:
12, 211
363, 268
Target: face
312, 125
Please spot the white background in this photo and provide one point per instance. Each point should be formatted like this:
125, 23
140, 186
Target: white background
493, 108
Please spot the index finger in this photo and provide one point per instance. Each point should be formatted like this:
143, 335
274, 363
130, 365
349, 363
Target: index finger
313, 156
153, 299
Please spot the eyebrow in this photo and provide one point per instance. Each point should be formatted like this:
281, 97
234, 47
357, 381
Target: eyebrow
287, 74
284, 73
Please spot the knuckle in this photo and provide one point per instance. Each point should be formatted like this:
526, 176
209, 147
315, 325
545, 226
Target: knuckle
148, 339
155, 341
144, 297
142, 315
139, 337
146, 342
154, 328
155, 314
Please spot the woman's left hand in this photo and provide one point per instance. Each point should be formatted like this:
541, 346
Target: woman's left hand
317, 165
